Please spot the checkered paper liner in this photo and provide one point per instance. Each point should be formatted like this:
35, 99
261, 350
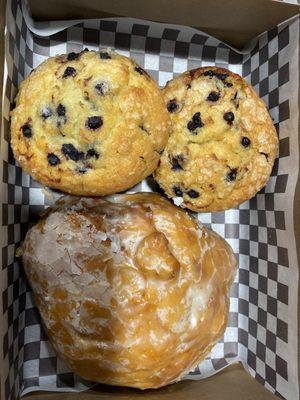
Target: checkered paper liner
262, 326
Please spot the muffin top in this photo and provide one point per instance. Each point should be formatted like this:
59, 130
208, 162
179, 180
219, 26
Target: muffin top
89, 123
223, 144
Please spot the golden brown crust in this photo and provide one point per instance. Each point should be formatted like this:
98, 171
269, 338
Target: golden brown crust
132, 291
222, 156
109, 154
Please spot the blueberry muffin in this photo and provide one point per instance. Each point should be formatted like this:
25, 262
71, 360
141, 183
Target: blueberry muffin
223, 145
89, 123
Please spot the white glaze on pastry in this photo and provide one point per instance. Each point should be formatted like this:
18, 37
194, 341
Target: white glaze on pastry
131, 289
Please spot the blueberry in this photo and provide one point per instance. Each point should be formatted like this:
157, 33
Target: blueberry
221, 76
92, 153
213, 96
61, 110
191, 126
72, 56
177, 162
101, 88
94, 122
208, 73
193, 193
178, 192
53, 159
71, 152
197, 119
26, 129
231, 176
46, 113
104, 55
195, 122
172, 106
69, 71
229, 117
245, 141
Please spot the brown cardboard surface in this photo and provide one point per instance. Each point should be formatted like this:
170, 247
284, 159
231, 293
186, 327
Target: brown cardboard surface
233, 383
297, 236
2, 13
232, 21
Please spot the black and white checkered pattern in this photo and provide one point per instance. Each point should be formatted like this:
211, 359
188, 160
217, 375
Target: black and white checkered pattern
262, 321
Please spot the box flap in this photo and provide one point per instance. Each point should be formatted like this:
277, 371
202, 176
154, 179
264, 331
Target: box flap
234, 21
233, 383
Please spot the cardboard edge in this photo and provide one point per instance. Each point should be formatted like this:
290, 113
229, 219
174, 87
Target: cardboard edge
2, 46
195, 13
297, 222
231, 383
234, 367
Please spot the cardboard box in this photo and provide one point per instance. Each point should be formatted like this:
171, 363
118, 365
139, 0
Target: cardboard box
235, 22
